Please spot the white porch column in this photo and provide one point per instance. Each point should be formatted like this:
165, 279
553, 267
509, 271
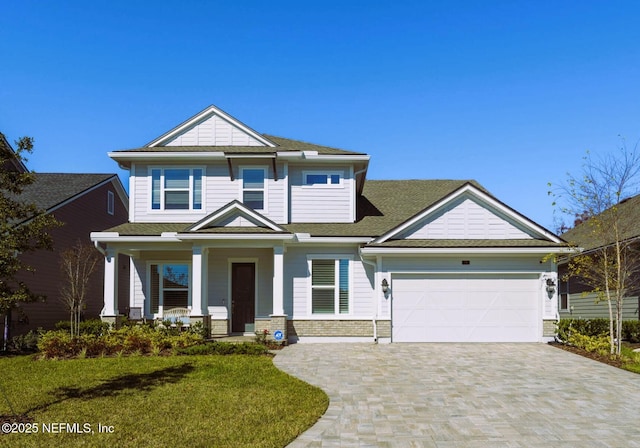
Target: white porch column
200, 268
110, 308
278, 280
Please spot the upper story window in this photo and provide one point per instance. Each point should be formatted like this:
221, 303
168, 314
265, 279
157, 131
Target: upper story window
331, 179
176, 189
253, 187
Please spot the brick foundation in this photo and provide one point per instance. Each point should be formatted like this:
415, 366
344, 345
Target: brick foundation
548, 328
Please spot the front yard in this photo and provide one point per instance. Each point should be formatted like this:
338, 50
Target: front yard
155, 401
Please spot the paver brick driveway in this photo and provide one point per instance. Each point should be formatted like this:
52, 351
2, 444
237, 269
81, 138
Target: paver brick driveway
465, 395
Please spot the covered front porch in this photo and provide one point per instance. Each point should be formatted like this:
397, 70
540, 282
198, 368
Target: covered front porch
232, 289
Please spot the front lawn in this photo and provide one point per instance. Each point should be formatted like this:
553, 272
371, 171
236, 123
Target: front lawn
195, 401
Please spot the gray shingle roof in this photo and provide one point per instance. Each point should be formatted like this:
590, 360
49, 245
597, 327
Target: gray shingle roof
51, 189
284, 144
384, 205
585, 236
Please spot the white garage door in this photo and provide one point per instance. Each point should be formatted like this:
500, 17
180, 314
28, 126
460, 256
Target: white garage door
465, 308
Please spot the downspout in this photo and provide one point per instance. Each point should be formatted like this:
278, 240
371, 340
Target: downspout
375, 294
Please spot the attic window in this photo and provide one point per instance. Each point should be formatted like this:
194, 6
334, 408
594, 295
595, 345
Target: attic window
330, 179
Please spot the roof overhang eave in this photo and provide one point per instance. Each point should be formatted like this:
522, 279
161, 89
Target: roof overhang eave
465, 250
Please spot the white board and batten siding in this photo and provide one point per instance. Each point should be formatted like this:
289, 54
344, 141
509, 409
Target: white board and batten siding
465, 219
315, 204
213, 131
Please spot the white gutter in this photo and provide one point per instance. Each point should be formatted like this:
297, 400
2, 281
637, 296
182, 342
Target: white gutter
307, 238
464, 250
133, 155
227, 236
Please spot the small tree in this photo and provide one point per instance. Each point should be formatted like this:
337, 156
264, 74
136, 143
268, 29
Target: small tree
611, 265
23, 228
77, 265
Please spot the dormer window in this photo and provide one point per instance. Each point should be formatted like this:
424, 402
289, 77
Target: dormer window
326, 179
176, 188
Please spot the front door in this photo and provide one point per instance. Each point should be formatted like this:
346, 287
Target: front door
243, 295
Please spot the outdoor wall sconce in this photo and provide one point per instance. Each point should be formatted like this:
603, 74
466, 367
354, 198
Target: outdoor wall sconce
385, 286
551, 286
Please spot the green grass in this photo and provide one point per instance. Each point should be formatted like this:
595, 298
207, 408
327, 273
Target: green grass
194, 401
631, 359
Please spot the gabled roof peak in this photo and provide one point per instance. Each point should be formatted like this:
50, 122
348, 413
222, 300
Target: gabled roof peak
231, 124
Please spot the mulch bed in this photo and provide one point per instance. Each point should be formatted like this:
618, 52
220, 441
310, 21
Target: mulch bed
607, 359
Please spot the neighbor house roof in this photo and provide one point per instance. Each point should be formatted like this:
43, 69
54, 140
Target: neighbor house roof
282, 145
586, 236
52, 189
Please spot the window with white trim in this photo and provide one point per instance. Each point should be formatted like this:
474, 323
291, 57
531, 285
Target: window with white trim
563, 294
111, 202
169, 286
253, 187
326, 179
330, 285
176, 188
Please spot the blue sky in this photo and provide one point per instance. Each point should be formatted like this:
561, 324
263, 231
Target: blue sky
509, 93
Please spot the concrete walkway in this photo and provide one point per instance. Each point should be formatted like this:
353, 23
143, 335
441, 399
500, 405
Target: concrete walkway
465, 395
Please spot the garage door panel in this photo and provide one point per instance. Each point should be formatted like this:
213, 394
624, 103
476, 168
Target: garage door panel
461, 308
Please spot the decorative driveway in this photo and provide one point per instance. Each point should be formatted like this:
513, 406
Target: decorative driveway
465, 395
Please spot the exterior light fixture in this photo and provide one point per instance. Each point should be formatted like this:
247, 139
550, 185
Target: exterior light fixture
385, 286
551, 286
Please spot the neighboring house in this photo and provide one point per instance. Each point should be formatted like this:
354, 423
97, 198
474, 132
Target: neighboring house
82, 202
253, 232
575, 300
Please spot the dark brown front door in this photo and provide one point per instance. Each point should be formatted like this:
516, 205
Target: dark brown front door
243, 294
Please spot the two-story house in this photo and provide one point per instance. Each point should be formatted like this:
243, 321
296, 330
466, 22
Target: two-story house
252, 232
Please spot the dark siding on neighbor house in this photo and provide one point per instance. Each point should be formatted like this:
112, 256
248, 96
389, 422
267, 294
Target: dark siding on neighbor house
85, 214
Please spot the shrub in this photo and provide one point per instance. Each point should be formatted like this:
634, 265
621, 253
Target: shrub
91, 326
24, 343
58, 344
631, 330
138, 339
597, 344
587, 327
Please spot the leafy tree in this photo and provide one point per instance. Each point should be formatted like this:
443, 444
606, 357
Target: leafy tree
23, 228
610, 266
77, 264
